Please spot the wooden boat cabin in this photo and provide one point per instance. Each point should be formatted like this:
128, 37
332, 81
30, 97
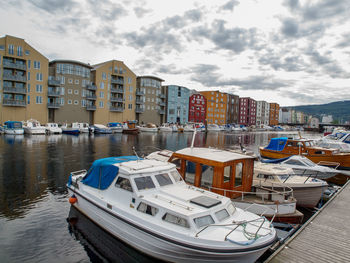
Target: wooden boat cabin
215, 169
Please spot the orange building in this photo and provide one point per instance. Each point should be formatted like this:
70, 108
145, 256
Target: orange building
274, 113
216, 107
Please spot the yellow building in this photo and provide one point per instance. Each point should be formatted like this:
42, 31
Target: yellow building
23, 81
116, 92
216, 107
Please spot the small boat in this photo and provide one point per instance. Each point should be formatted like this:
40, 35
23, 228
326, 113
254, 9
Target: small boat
101, 129
189, 127
282, 147
213, 128
70, 129
236, 128
33, 127
147, 205
304, 166
13, 127
307, 190
83, 127
165, 127
116, 127
149, 127
129, 127
52, 128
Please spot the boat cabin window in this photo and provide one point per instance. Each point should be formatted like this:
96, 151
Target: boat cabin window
163, 179
176, 220
144, 182
231, 209
238, 175
308, 144
319, 152
203, 221
147, 209
175, 174
207, 176
265, 176
222, 215
347, 139
227, 174
293, 162
123, 183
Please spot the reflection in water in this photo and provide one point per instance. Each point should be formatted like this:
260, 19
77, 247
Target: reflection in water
99, 245
34, 171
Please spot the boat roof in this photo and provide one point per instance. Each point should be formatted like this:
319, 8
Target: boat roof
272, 169
212, 154
144, 166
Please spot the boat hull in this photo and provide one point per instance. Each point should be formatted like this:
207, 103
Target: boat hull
14, 131
34, 131
155, 245
131, 131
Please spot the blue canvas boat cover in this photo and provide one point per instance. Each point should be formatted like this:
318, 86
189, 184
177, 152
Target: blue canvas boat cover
114, 124
274, 160
103, 171
13, 124
277, 144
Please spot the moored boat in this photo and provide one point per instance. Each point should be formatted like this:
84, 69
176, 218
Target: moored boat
149, 127
129, 127
52, 128
146, 204
101, 129
70, 129
116, 127
33, 127
213, 128
13, 127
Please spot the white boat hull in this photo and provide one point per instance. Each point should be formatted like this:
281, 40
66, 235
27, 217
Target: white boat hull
14, 131
145, 129
156, 245
315, 174
34, 131
165, 129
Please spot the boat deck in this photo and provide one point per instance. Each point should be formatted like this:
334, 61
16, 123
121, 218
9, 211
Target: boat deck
324, 237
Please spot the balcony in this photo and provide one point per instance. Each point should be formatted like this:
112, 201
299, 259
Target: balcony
116, 109
117, 90
54, 82
16, 103
91, 97
13, 65
53, 93
138, 101
139, 110
91, 87
115, 99
11, 77
161, 112
117, 81
162, 96
15, 90
91, 107
139, 93
53, 105
161, 103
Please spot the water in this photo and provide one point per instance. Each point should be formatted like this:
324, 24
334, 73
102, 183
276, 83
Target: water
33, 196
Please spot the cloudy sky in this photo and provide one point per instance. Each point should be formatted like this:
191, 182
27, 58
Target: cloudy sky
289, 51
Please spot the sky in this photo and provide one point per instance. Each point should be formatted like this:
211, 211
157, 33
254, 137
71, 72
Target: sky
286, 51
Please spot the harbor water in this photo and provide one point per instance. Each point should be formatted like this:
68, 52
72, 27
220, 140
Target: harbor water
34, 205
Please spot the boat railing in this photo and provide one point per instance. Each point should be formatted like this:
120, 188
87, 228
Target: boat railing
326, 163
251, 236
269, 192
78, 172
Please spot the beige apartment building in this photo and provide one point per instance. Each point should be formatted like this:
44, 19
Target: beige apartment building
116, 92
23, 81
150, 100
71, 94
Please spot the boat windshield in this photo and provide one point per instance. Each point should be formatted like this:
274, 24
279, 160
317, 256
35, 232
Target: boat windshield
163, 179
175, 174
203, 221
309, 162
222, 214
144, 182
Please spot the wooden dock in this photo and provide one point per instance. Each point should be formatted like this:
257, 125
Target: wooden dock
325, 237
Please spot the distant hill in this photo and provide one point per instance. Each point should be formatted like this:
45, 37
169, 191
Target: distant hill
340, 110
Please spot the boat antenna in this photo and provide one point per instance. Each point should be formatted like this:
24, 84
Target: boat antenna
133, 149
194, 135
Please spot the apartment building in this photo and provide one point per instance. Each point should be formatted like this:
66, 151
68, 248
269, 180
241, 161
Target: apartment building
262, 113
150, 100
247, 111
177, 104
274, 114
71, 95
216, 107
23, 81
232, 108
197, 108
115, 92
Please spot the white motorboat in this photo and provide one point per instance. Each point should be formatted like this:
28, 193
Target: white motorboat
308, 191
116, 127
165, 127
83, 127
146, 204
101, 129
13, 127
334, 144
52, 128
72, 128
190, 127
33, 127
149, 127
304, 166
213, 128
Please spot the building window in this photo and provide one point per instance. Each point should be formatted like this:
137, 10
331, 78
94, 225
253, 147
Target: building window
69, 101
102, 95
62, 101
104, 76
36, 64
70, 91
28, 75
76, 81
130, 88
76, 92
129, 80
76, 102
63, 79
19, 51
2, 47
39, 88
39, 76
70, 81
130, 106
11, 49
101, 104
28, 99
39, 100
102, 85
62, 91
130, 97
83, 103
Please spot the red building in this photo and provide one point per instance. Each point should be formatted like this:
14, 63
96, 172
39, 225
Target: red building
197, 108
247, 111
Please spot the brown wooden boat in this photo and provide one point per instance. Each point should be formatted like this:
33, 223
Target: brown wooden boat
130, 128
283, 147
231, 174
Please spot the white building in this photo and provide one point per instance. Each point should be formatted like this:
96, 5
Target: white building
262, 113
327, 119
314, 122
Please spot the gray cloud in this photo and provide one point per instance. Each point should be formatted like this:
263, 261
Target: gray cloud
233, 39
169, 69
194, 15
278, 62
229, 5
290, 27
141, 12
106, 10
53, 6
